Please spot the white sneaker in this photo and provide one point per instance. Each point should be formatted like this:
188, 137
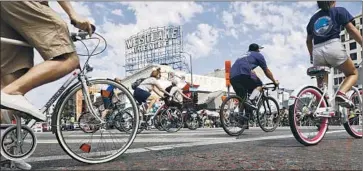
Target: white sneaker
22, 165
20, 103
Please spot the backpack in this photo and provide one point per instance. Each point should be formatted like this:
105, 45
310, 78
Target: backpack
135, 84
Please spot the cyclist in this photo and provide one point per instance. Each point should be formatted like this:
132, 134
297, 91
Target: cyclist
107, 95
143, 92
325, 48
177, 95
40, 26
244, 78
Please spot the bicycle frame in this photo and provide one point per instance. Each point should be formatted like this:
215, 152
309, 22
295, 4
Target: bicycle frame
64, 88
331, 106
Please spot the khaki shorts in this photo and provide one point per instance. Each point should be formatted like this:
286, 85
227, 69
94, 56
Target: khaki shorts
330, 53
36, 24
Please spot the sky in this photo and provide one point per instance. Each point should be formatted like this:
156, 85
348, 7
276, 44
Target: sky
213, 32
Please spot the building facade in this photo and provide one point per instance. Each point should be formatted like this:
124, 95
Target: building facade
353, 49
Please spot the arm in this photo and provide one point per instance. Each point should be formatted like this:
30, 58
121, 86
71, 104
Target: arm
269, 75
179, 91
354, 33
309, 44
79, 22
157, 85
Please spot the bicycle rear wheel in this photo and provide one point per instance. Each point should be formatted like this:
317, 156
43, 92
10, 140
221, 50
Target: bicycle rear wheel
82, 146
268, 114
301, 116
230, 113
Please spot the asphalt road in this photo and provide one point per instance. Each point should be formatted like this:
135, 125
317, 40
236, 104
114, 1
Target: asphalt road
213, 149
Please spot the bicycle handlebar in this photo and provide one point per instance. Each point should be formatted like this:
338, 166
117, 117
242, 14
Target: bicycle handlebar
82, 34
266, 86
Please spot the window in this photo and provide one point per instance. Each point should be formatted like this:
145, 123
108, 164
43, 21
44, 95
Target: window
336, 81
335, 71
361, 32
361, 21
342, 38
353, 22
344, 46
353, 45
340, 80
353, 56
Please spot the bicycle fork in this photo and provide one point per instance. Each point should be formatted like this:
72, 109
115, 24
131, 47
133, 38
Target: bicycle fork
85, 93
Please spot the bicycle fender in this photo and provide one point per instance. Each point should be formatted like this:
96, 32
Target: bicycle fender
295, 93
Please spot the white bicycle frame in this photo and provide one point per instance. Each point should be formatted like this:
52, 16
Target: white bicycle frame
331, 102
76, 74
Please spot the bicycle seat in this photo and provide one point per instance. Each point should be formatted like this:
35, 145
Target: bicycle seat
318, 70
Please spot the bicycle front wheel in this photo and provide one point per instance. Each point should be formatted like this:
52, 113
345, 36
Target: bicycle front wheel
268, 114
103, 145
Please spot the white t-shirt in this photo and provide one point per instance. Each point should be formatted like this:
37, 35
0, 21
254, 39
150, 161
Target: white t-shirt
176, 94
148, 84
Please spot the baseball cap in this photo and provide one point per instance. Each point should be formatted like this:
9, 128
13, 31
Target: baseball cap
254, 47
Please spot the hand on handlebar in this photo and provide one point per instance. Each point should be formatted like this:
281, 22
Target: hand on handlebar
276, 83
83, 24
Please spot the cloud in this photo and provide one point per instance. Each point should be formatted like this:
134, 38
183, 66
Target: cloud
280, 27
117, 12
201, 42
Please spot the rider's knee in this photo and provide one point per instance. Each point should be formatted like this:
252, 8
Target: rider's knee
70, 58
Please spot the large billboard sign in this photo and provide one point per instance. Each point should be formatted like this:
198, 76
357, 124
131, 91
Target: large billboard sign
152, 39
159, 45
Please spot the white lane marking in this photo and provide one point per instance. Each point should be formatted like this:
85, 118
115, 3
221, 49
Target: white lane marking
172, 146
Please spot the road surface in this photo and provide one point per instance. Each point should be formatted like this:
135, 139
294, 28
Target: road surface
213, 149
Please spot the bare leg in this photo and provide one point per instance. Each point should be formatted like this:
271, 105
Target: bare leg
6, 115
43, 73
351, 75
152, 99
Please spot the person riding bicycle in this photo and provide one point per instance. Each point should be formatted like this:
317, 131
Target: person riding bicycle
325, 48
40, 26
243, 78
177, 95
142, 92
107, 95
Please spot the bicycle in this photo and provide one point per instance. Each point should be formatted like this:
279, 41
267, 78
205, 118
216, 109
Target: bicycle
149, 119
317, 107
12, 140
239, 117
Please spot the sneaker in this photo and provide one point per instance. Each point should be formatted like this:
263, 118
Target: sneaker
343, 100
20, 103
22, 165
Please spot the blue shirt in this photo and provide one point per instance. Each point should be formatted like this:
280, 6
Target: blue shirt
242, 66
325, 25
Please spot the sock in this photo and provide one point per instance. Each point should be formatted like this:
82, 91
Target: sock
254, 94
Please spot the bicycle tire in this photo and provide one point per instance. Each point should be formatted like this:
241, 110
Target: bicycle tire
179, 119
293, 127
347, 125
69, 95
222, 117
258, 114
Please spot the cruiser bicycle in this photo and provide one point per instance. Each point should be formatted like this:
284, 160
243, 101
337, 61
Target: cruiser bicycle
18, 141
233, 112
310, 109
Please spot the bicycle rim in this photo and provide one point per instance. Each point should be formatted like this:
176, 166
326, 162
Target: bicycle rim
268, 114
86, 147
229, 116
298, 115
353, 126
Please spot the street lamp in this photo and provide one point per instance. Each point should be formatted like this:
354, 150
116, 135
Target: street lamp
191, 68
